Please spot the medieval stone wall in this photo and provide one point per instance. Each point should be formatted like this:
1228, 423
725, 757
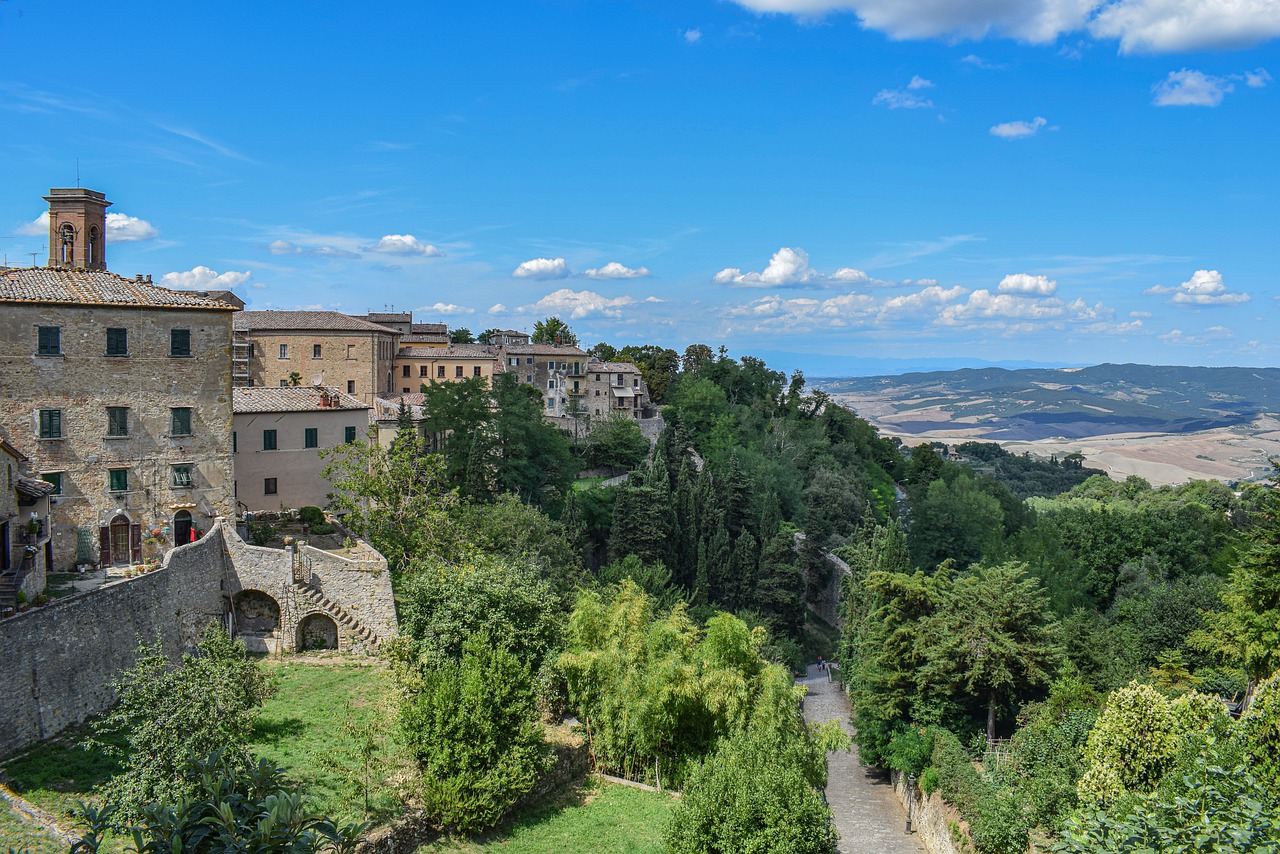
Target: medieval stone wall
59, 661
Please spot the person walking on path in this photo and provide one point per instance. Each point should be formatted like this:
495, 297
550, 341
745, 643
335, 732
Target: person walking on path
868, 815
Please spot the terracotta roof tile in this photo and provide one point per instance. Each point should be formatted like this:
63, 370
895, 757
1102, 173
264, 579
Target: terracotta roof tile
81, 287
300, 398
310, 321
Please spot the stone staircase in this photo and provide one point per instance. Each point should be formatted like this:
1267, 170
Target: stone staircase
358, 630
8, 593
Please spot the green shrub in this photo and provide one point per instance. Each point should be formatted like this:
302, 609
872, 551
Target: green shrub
261, 533
1001, 826
959, 782
929, 781
910, 749
310, 515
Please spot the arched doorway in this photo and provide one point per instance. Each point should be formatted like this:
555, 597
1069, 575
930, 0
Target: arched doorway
182, 527
317, 631
119, 545
256, 612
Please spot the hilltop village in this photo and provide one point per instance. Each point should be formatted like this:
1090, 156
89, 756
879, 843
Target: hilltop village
135, 413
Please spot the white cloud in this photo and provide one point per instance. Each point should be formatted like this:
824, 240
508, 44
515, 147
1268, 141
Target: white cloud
1023, 283
1139, 25
203, 279
1019, 129
497, 308
1206, 336
693, 36
1187, 88
985, 308
1205, 287
284, 247
789, 268
121, 228
905, 98
614, 270
1156, 26
541, 268
578, 304
446, 308
38, 227
403, 244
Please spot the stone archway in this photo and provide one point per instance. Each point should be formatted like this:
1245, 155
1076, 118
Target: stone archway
257, 620
317, 631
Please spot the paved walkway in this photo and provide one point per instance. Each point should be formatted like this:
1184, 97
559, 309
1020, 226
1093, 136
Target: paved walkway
869, 818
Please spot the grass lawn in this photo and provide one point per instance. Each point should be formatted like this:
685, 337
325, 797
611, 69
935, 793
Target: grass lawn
588, 483
308, 728
23, 837
598, 818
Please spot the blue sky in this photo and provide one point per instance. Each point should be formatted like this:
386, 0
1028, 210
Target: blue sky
1060, 181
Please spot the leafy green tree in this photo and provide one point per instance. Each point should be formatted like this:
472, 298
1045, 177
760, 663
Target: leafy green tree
696, 357
658, 367
473, 729
617, 443
489, 336
553, 330
397, 498
532, 458
230, 807
957, 520
992, 637
461, 335
525, 536
171, 715
604, 352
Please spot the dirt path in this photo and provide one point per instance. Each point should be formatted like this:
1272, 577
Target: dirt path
869, 818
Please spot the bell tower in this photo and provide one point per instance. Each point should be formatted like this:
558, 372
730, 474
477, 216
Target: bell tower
77, 229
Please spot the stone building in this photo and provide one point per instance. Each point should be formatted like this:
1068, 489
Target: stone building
117, 390
278, 435
310, 348
25, 530
552, 369
416, 365
615, 388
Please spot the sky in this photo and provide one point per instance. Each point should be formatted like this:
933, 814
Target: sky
828, 183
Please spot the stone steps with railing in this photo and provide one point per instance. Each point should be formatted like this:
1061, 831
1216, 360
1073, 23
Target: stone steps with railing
340, 615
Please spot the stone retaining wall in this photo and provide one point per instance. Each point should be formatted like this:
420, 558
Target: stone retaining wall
58, 662
929, 816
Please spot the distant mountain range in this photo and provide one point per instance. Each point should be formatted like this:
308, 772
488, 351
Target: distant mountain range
1040, 403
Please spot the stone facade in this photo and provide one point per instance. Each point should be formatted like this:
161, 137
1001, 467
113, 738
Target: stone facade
118, 391
321, 347
288, 473
611, 389
60, 661
417, 365
551, 369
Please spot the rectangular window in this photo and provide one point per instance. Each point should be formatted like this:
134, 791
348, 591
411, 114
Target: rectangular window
597, 378
551, 384
179, 342
284, 383
50, 423
315, 351
349, 434
404, 371
268, 440
551, 366
404, 390
528, 378
311, 437
268, 486
49, 341
351, 351
528, 360
475, 372
117, 421
117, 341
457, 371
181, 475
422, 370
513, 361
54, 477
440, 371
234, 448
118, 480
351, 386
284, 351
180, 421
597, 392
551, 403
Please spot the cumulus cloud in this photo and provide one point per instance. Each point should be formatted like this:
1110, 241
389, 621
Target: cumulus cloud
497, 308
789, 268
1207, 336
1019, 129
1010, 310
121, 228
446, 308
1023, 283
693, 36
906, 98
201, 278
614, 270
1190, 88
1205, 287
542, 268
1157, 26
284, 247
578, 304
1151, 26
403, 244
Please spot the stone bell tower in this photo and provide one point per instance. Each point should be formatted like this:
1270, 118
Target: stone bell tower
77, 229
